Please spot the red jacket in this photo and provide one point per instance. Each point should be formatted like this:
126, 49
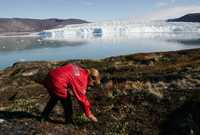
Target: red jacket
73, 76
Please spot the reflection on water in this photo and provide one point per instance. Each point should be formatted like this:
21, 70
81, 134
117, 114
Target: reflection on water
195, 42
26, 43
27, 48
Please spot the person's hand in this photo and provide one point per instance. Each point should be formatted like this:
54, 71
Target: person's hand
92, 118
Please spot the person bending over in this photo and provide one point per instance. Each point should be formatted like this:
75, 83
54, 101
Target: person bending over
59, 80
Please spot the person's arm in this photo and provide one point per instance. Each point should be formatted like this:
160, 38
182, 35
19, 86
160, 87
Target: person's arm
86, 107
82, 98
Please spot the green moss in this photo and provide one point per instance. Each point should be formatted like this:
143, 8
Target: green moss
22, 105
167, 59
80, 119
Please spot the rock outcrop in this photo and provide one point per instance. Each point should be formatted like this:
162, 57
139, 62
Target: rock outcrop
194, 17
16, 25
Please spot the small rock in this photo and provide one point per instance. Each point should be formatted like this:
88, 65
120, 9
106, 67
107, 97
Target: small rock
183, 98
30, 73
2, 121
191, 132
109, 85
41, 107
108, 88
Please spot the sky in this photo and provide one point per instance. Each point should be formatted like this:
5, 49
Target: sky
98, 10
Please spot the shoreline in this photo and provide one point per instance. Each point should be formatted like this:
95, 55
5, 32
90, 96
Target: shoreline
100, 59
18, 34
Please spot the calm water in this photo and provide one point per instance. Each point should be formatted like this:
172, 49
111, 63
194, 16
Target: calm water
15, 49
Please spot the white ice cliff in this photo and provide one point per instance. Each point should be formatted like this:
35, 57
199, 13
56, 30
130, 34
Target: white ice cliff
120, 29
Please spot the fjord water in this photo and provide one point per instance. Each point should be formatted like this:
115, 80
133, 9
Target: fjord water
13, 49
99, 40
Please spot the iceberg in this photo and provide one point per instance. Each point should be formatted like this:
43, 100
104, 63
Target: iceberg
120, 29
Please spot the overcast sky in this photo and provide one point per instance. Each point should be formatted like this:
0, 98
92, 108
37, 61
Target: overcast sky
98, 10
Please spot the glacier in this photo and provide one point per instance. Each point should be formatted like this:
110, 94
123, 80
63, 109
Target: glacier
112, 30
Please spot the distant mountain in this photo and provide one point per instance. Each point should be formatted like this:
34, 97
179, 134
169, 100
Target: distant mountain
34, 25
195, 17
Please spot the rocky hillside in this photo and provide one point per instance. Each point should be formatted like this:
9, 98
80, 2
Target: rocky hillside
33, 25
144, 94
195, 17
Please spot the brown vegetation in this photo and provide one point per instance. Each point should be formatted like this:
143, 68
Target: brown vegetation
145, 94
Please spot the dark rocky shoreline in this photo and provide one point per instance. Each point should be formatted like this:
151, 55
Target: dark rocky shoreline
145, 94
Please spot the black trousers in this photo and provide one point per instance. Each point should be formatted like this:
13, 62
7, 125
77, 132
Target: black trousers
67, 106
